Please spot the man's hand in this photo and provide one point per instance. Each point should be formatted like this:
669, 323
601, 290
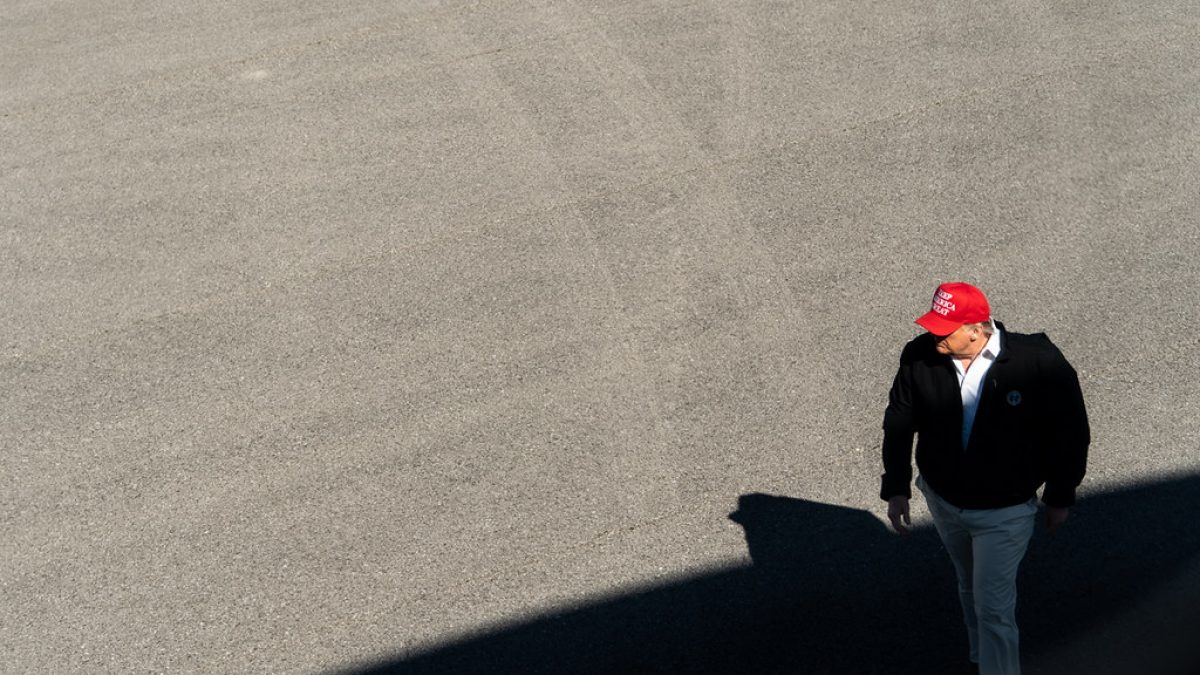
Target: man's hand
1055, 517
898, 512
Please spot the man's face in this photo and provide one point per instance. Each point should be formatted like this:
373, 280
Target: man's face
958, 343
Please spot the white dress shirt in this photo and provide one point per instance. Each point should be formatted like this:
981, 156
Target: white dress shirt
970, 381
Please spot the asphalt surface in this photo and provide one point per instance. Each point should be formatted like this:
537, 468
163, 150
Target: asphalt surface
333, 334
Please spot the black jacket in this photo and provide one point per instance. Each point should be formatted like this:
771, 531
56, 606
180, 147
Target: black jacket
1031, 427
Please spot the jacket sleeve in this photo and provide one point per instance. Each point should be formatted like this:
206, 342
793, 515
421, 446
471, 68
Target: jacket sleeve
898, 429
1066, 425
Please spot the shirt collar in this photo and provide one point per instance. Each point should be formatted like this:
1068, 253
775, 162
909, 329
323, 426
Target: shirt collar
992, 349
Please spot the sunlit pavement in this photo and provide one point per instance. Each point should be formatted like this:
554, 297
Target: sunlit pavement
332, 334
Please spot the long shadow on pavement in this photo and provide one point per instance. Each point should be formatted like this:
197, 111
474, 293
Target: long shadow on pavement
831, 590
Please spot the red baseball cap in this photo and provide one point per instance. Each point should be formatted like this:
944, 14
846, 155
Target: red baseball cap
954, 304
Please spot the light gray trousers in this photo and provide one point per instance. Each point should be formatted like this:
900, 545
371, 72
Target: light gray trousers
986, 547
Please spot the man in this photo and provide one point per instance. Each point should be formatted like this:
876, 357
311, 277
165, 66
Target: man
996, 415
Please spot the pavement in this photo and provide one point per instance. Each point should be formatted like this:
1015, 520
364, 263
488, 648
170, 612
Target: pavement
340, 334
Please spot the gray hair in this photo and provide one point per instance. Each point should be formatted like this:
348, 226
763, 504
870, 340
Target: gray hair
986, 327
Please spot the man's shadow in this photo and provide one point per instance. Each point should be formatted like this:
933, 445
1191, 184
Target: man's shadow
832, 590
